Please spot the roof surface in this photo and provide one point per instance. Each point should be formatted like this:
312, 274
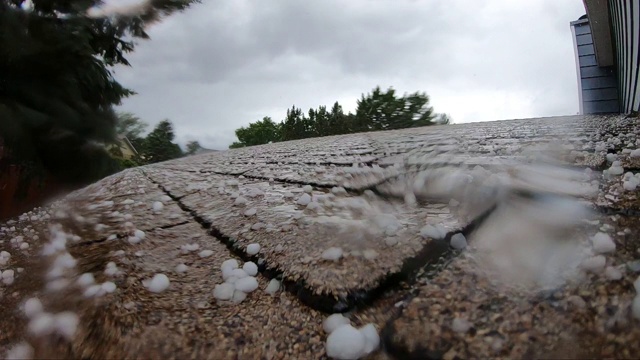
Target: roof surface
529, 196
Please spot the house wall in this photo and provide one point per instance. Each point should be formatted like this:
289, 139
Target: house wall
625, 21
598, 86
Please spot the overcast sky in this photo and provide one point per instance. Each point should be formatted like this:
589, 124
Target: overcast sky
223, 64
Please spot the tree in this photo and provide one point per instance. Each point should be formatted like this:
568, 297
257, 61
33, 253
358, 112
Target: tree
193, 147
382, 110
57, 91
159, 146
257, 133
130, 125
293, 126
443, 119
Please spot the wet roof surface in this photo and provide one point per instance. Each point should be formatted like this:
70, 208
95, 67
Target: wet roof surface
370, 195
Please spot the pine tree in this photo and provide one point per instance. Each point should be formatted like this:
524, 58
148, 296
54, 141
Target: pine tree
158, 145
57, 91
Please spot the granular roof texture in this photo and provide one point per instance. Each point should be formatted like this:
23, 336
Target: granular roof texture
371, 195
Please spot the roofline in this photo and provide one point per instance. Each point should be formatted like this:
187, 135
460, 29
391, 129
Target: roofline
577, 57
126, 139
599, 20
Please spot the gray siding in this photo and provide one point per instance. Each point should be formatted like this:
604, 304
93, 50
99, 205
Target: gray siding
625, 20
598, 85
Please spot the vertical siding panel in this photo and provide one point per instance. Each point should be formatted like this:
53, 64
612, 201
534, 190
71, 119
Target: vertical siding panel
625, 19
635, 59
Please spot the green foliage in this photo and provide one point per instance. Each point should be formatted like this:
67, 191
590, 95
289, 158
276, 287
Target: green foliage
443, 119
56, 90
383, 110
260, 132
130, 125
193, 147
159, 146
379, 110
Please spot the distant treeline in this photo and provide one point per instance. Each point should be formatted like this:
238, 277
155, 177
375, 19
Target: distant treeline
379, 110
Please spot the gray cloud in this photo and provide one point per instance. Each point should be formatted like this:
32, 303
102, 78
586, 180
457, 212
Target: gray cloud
221, 65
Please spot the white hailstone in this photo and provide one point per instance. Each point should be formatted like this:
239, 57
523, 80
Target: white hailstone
410, 199
159, 283
24, 246
66, 324
288, 194
189, 247
612, 157
454, 203
612, 273
253, 249
205, 253
157, 206
307, 188
257, 226
635, 153
615, 169
20, 351
32, 307
334, 321
458, 241
133, 240
42, 324
181, 268
279, 248
93, 290
636, 285
112, 237
250, 268
313, 206
100, 227
433, 232
338, 190
304, 199
86, 279
108, 287
8, 274
391, 241
370, 254
460, 325
240, 201
238, 273
372, 339
229, 279
238, 296
128, 217
223, 291
111, 269
594, 264
602, 243
139, 253
635, 307
272, 287
250, 212
247, 284
164, 198
139, 234
346, 342
630, 185
332, 254
229, 265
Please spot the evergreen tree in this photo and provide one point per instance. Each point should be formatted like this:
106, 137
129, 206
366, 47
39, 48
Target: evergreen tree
57, 91
193, 147
158, 145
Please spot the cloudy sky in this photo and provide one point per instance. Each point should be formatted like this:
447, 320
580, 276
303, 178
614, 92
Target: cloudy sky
223, 64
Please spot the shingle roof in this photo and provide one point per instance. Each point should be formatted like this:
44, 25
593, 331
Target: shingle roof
411, 286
